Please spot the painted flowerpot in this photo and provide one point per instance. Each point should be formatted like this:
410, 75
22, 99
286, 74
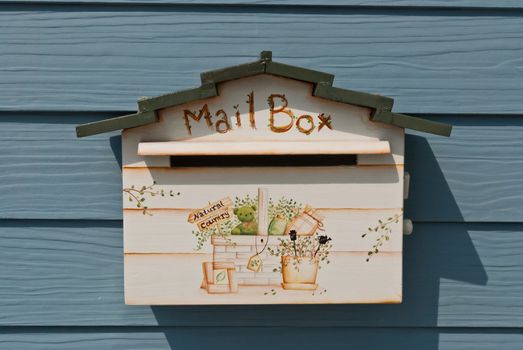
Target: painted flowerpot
299, 272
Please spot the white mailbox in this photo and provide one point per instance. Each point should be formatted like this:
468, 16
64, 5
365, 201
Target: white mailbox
266, 185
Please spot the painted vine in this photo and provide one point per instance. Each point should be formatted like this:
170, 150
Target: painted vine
384, 231
138, 195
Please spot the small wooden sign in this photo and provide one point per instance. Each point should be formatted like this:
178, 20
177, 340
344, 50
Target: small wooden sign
212, 214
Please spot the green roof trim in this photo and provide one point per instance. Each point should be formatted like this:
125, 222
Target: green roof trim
353, 97
413, 123
323, 88
177, 98
298, 73
118, 123
266, 55
265, 65
231, 73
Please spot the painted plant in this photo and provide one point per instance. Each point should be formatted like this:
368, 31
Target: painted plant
139, 194
301, 258
383, 232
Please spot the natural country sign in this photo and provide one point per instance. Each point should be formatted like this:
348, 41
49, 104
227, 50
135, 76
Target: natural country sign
212, 214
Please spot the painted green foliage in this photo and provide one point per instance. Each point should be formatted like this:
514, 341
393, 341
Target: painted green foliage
383, 231
315, 247
138, 195
280, 213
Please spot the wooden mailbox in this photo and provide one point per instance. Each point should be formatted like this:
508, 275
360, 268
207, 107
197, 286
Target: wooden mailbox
266, 185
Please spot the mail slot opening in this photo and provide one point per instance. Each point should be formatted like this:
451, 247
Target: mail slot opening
303, 160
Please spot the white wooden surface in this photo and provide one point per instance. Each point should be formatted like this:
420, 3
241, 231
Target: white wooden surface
168, 279
161, 264
366, 187
167, 231
182, 148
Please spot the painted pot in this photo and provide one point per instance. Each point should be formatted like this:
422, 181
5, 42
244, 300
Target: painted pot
299, 273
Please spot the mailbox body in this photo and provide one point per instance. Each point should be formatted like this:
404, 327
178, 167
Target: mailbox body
169, 261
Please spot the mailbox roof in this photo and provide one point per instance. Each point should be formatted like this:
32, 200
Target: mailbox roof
381, 105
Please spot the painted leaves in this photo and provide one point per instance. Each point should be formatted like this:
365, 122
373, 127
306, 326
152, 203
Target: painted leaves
139, 195
384, 231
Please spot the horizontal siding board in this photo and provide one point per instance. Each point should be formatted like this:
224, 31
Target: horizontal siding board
71, 273
167, 338
475, 175
51, 126
475, 4
43, 176
437, 62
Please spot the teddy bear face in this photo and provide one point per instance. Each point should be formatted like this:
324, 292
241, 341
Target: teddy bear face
245, 213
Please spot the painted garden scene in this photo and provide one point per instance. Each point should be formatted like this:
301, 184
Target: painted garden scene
264, 246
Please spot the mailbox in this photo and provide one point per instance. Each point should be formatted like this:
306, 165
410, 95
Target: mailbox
265, 185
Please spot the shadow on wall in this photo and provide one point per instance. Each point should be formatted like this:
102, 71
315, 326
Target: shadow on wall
433, 252
116, 147
332, 338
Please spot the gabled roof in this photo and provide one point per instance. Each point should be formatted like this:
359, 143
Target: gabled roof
381, 105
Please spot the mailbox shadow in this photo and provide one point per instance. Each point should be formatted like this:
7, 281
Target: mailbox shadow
116, 146
435, 251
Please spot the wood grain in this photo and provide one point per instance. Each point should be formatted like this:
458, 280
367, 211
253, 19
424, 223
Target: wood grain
175, 279
469, 175
71, 273
319, 187
307, 338
430, 4
42, 176
436, 62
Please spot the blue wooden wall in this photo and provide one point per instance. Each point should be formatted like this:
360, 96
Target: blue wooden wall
68, 62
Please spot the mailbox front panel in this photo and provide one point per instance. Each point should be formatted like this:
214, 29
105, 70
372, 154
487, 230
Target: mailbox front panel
251, 234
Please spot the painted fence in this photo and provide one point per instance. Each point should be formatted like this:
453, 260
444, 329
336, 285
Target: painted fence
66, 63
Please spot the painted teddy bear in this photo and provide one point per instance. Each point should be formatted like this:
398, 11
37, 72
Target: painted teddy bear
248, 225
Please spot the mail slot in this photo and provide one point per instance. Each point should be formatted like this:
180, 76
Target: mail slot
266, 185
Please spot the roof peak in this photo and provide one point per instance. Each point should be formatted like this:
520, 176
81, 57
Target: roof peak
381, 105
265, 64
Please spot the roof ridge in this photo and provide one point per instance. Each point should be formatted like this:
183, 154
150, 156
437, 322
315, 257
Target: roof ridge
323, 88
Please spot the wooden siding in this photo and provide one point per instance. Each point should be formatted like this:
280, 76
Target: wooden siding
451, 178
474, 4
67, 63
166, 338
444, 61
